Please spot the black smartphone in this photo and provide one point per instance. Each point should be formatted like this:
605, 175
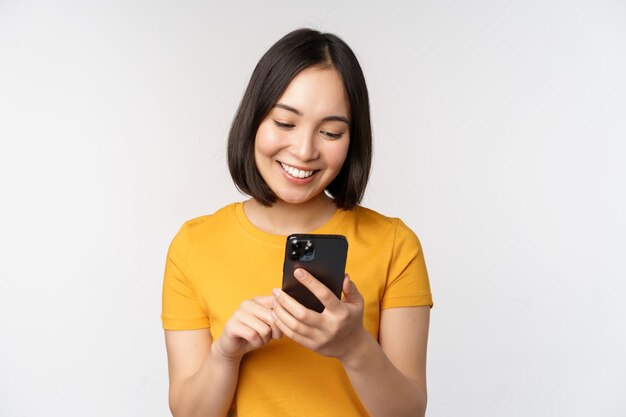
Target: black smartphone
323, 256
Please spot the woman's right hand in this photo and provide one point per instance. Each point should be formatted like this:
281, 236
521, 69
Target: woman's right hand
249, 328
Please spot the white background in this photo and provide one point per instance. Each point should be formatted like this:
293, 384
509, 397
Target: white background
500, 131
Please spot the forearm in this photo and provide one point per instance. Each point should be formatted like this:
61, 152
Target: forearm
381, 387
209, 393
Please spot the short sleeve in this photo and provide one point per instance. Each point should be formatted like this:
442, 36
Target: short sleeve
407, 280
181, 309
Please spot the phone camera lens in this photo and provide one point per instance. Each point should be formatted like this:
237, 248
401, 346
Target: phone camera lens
296, 244
294, 255
309, 247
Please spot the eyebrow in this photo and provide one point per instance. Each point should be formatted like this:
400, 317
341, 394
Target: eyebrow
299, 113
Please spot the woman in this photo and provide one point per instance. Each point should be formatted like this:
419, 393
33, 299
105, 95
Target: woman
300, 146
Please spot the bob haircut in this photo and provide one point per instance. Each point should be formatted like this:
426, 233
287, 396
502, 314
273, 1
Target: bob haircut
296, 51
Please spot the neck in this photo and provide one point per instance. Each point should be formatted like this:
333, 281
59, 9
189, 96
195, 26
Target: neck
284, 219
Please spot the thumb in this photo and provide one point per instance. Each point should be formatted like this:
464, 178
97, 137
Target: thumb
350, 292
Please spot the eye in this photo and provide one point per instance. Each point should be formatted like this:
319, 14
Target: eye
331, 135
285, 126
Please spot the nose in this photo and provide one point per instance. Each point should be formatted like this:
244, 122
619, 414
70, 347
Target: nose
304, 146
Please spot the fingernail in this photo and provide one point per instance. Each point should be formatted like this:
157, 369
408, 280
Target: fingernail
276, 292
299, 273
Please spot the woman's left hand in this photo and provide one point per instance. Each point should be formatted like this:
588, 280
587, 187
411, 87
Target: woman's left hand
330, 333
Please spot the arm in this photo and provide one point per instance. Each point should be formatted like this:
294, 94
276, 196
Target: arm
200, 383
203, 375
389, 378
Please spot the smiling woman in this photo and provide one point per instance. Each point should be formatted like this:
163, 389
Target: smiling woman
300, 147
276, 74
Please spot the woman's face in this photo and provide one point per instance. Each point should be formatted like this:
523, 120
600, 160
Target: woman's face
301, 145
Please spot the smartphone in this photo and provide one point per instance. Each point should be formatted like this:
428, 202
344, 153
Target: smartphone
323, 256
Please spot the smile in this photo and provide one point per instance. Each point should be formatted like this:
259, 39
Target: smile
295, 172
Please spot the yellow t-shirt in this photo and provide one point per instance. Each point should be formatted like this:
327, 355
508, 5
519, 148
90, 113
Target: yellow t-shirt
216, 261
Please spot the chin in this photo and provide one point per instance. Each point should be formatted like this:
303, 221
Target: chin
294, 199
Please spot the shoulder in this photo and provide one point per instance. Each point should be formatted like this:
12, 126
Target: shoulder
370, 226
201, 227
225, 213
373, 220
401, 232
370, 218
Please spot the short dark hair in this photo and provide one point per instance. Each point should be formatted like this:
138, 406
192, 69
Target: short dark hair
296, 51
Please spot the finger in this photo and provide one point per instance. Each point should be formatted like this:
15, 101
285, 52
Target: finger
277, 334
240, 331
262, 328
296, 337
260, 307
267, 303
295, 309
350, 292
296, 326
318, 289
264, 300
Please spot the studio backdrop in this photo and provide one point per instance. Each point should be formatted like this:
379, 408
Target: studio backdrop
499, 131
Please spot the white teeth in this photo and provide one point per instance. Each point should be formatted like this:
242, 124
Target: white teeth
294, 172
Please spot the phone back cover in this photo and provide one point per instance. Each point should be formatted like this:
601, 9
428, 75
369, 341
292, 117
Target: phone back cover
328, 267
